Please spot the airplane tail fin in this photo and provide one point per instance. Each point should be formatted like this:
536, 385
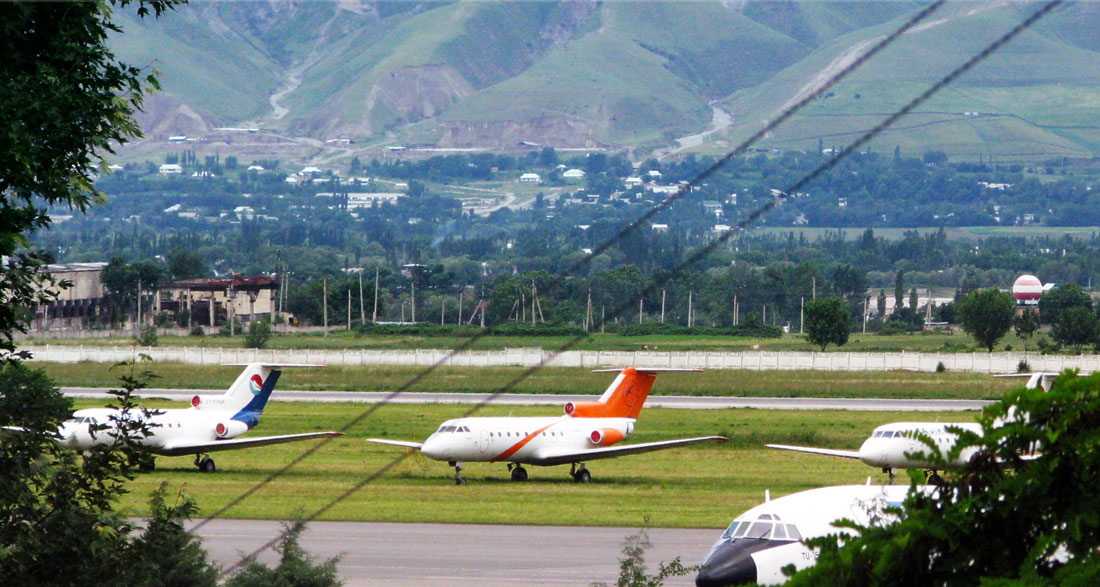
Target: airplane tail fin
625, 396
249, 393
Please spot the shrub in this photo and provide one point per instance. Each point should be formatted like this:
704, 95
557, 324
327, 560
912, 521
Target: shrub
1023, 367
940, 368
197, 331
259, 332
147, 336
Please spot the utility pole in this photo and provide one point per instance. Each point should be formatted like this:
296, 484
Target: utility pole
534, 298
461, 291
442, 308
230, 311
802, 315
324, 287
138, 307
362, 312
690, 307
866, 298
374, 316
736, 317
641, 307
349, 309
814, 282
588, 312
603, 318
414, 301
662, 306
764, 320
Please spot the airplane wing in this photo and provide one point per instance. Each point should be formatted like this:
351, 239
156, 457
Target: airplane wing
184, 447
404, 443
549, 458
848, 454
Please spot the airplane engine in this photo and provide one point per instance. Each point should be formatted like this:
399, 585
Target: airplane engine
605, 436
584, 409
230, 429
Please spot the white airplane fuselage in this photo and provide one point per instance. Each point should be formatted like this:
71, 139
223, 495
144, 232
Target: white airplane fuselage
896, 446
164, 428
522, 440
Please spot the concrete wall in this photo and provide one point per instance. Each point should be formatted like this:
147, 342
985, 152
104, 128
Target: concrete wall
529, 357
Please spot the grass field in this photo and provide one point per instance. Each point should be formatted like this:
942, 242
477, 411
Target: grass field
700, 486
343, 339
877, 384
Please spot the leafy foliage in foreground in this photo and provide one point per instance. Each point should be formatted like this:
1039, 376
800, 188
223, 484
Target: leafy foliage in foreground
1004, 519
295, 568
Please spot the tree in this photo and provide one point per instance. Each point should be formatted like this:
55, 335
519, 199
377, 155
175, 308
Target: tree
57, 519
295, 566
987, 315
899, 289
880, 303
1076, 327
65, 104
1025, 325
827, 321
259, 332
1002, 520
1062, 298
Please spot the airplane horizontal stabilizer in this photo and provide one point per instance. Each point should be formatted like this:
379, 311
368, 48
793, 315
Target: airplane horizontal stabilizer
173, 449
561, 458
848, 454
404, 443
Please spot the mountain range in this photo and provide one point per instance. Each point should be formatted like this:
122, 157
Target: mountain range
652, 77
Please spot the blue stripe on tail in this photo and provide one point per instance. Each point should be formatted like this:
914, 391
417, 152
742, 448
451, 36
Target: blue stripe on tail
250, 414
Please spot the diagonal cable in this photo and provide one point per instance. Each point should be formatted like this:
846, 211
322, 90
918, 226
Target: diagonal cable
709, 248
641, 221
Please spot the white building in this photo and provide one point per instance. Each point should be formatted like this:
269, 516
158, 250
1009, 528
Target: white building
171, 169
371, 199
530, 178
573, 174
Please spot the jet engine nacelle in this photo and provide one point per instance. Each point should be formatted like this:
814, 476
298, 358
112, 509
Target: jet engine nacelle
585, 409
605, 436
230, 429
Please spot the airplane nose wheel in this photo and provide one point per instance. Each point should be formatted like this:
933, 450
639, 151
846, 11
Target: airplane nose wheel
519, 474
580, 475
458, 469
204, 463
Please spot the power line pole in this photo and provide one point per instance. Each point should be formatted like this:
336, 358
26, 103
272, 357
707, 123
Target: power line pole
374, 316
324, 287
362, 312
349, 309
663, 306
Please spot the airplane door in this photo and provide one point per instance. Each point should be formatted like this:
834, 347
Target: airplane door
484, 444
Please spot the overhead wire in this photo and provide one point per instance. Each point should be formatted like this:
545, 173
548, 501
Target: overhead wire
693, 258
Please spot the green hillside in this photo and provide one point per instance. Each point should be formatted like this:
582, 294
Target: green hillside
627, 74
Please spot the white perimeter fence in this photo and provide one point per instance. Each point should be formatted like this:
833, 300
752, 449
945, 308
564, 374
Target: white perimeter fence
529, 357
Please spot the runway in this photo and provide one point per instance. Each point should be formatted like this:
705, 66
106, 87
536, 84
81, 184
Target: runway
464, 554
520, 399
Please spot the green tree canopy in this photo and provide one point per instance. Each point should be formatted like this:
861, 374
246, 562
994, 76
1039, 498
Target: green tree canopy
1076, 327
1062, 298
987, 315
1003, 520
827, 322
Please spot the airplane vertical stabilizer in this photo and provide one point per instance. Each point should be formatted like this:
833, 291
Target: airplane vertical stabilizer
625, 396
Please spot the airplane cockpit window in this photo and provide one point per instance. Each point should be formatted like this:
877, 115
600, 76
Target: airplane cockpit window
765, 527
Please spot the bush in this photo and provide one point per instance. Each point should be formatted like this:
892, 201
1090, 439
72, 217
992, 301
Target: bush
747, 329
147, 336
940, 368
296, 566
229, 328
183, 317
164, 320
1023, 367
197, 331
259, 332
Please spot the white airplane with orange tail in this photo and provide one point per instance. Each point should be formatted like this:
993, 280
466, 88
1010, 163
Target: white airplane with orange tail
588, 431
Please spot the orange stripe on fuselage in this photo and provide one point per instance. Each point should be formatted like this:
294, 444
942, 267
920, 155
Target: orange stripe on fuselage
515, 447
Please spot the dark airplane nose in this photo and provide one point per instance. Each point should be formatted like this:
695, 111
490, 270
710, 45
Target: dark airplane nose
729, 563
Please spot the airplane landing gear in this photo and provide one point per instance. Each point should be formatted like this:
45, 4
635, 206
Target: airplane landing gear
935, 479
519, 474
204, 463
580, 475
458, 469
889, 471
